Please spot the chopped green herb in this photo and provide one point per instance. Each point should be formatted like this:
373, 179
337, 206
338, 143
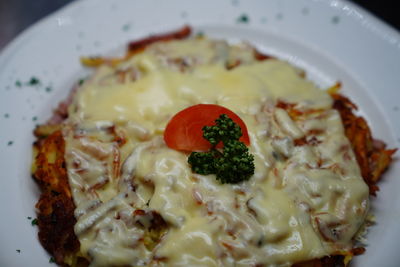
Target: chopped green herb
335, 19
34, 118
243, 19
52, 260
81, 81
34, 81
234, 164
10, 143
29, 218
18, 83
126, 27
48, 89
6, 115
34, 222
18, 250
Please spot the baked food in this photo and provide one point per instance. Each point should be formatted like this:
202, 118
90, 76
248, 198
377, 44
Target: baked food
114, 194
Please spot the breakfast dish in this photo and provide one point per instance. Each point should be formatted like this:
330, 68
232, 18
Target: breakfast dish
122, 186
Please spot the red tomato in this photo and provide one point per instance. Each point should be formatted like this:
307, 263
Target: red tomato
184, 130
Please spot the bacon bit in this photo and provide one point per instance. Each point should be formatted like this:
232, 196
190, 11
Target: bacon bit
336, 168
182, 63
276, 172
344, 148
139, 212
330, 229
315, 132
159, 259
129, 74
372, 155
236, 205
300, 141
99, 185
358, 251
182, 33
346, 156
313, 141
236, 250
232, 65
119, 136
231, 232
294, 113
116, 162
251, 211
197, 196
228, 246
210, 208
302, 73
260, 56
284, 105
240, 192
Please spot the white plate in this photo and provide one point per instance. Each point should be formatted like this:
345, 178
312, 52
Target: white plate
333, 40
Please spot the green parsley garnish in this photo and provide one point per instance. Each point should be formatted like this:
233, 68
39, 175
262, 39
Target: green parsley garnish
34, 222
234, 163
34, 81
81, 81
243, 19
52, 260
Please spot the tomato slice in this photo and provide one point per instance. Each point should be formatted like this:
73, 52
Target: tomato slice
184, 130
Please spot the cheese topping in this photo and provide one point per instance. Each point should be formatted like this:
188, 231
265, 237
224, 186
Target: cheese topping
139, 204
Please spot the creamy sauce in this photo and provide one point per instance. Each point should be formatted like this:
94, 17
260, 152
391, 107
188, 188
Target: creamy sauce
306, 199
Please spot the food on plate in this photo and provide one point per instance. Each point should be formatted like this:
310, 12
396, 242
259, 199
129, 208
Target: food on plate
191, 151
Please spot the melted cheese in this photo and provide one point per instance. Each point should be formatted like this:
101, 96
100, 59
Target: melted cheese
303, 202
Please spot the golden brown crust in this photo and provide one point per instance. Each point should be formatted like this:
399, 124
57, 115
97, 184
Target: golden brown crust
56, 225
55, 208
139, 45
371, 154
328, 261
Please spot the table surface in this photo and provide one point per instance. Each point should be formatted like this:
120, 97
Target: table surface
16, 15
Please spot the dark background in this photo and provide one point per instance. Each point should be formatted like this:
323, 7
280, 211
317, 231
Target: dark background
16, 15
